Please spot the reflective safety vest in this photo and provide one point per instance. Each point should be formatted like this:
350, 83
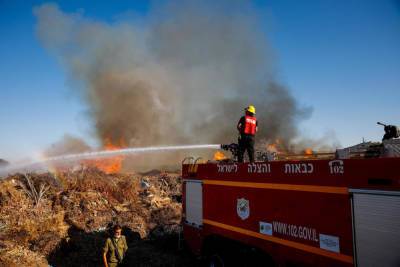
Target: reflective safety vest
250, 125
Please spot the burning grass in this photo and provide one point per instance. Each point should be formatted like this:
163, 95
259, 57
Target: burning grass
219, 156
108, 165
67, 225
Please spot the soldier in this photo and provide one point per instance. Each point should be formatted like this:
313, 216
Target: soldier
115, 248
247, 127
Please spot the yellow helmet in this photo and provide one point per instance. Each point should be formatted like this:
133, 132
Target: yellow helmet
251, 109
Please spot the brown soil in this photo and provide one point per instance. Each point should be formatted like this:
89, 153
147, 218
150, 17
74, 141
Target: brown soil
69, 224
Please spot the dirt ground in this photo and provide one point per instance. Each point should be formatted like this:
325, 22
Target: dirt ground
63, 218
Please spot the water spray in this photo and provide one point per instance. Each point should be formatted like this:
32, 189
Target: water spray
70, 158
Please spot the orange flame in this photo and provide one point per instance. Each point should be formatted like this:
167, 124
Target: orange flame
275, 147
272, 148
219, 156
308, 151
108, 165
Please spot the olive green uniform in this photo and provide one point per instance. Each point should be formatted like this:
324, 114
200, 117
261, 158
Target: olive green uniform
109, 249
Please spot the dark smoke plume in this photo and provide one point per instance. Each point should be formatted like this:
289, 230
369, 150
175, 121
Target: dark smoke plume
67, 145
181, 74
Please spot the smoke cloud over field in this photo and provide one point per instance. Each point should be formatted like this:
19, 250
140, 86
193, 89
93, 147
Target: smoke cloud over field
183, 73
68, 144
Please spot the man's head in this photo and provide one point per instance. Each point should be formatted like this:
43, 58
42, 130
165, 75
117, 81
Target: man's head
251, 110
117, 230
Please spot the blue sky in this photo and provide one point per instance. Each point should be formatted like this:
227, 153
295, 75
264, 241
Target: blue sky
340, 57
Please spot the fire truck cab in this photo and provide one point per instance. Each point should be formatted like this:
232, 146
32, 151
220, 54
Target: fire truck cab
338, 212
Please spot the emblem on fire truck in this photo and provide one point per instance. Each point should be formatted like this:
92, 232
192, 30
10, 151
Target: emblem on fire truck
243, 208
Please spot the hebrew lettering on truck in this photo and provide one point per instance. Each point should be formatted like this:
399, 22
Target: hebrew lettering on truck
310, 210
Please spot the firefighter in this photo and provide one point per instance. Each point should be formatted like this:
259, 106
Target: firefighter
247, 127
115, 248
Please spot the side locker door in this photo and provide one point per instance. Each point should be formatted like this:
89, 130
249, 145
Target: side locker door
194, 202
376, 227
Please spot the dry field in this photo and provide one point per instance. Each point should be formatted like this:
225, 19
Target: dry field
63, 218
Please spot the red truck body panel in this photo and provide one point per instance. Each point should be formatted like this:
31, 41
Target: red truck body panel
296, 211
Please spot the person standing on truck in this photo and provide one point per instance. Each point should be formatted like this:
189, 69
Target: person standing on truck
247, 127
115, 248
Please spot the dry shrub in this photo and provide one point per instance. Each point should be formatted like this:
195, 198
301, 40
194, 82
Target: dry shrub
14, 255
170, 214
87, 200
128, 189
35, 192
116, 187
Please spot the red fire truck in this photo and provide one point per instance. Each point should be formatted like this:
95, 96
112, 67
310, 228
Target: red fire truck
332, 212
